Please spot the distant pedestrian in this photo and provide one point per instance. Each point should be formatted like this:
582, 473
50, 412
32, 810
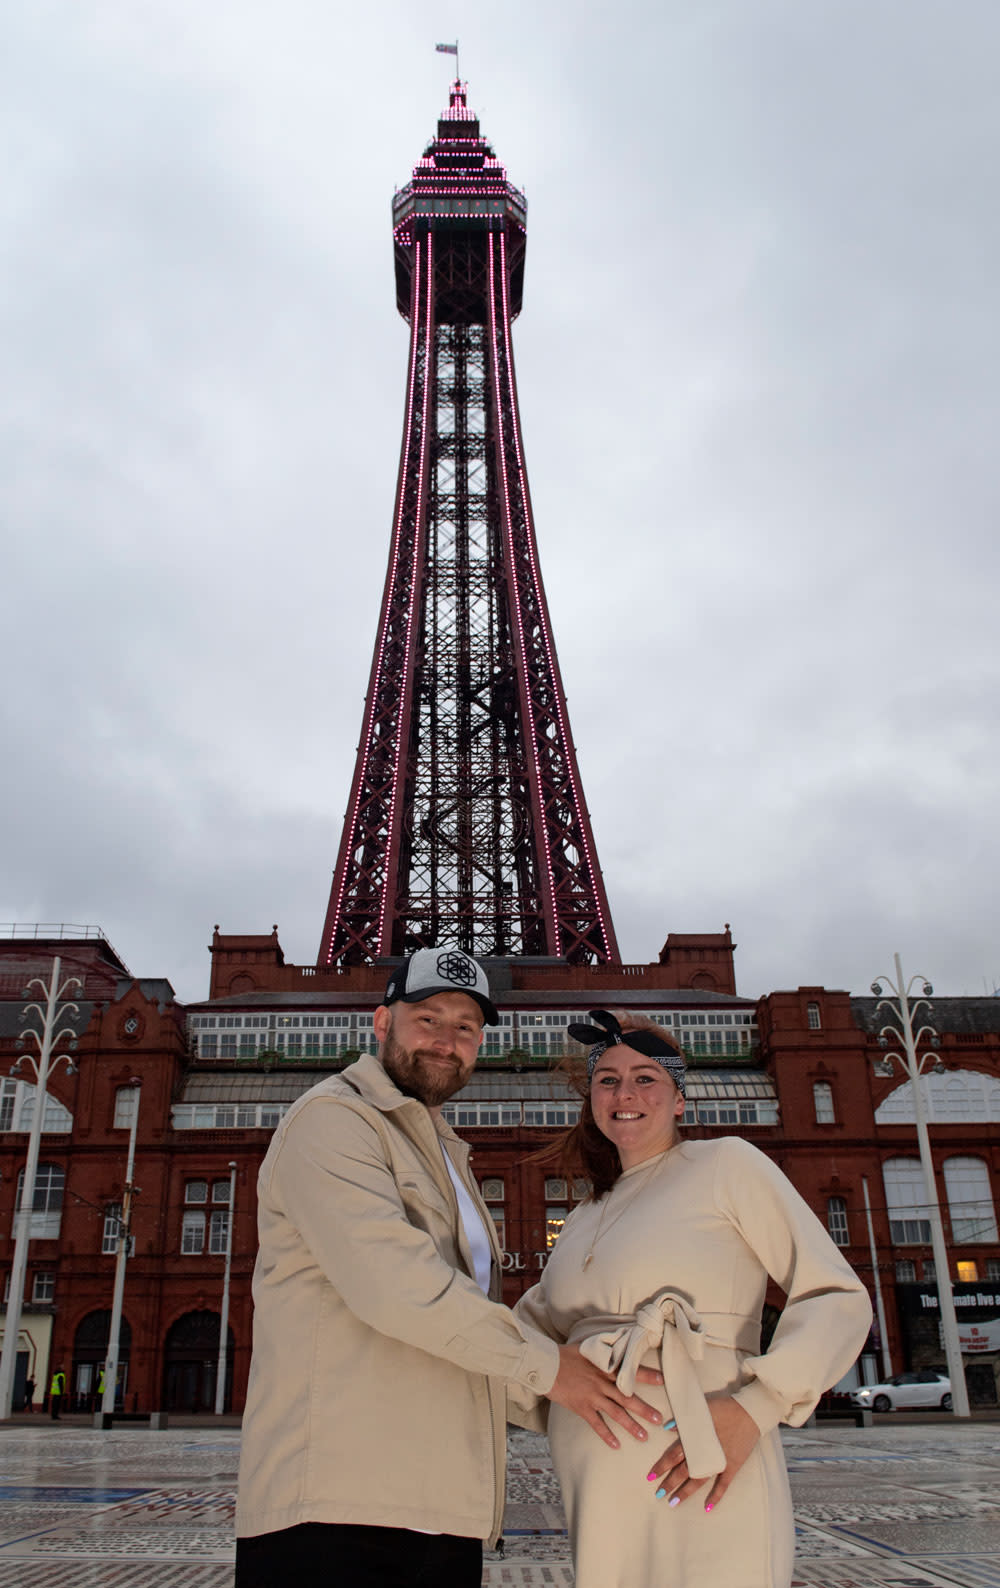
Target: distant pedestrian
99, 1393
29, 1394
57, 1390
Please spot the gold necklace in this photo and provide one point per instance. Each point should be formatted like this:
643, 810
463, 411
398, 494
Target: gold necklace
643, 1178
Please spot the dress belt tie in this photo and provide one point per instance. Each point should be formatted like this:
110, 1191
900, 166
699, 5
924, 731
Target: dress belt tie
668, 1323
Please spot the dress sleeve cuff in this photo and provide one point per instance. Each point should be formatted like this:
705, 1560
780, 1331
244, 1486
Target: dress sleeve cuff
763, 1406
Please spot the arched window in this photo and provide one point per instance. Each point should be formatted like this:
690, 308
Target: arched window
823, 1102
956, 1097
970, 1200
836, 1221
906, 1199
17, 1109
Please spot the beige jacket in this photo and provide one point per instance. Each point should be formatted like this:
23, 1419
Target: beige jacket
377, 1386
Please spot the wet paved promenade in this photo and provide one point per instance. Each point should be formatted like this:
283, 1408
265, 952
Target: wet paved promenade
901, 1505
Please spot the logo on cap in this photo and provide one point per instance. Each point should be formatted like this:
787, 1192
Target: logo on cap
457, 968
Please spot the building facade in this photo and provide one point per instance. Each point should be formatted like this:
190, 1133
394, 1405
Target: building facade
795, 1072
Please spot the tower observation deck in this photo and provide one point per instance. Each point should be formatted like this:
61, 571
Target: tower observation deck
466, 821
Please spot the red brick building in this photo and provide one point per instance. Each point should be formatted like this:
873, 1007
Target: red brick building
795, 1072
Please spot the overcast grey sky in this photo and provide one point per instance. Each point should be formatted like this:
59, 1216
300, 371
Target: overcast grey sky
758, 365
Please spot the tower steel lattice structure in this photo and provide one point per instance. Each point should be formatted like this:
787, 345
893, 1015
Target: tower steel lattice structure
466, 821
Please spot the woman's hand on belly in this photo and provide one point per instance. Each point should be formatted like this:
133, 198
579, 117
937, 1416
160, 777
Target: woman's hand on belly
737, 1434
593, 1395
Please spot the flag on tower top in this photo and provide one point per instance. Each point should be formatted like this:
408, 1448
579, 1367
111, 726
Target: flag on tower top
446, 49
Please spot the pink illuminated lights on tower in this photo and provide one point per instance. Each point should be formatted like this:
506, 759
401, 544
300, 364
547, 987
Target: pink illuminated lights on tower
466, 820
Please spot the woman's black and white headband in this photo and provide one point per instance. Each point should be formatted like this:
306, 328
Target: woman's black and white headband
607, 1033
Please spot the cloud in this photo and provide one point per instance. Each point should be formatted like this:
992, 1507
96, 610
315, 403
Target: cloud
758, 372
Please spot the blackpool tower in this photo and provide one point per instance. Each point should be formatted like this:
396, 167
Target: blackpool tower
466, 821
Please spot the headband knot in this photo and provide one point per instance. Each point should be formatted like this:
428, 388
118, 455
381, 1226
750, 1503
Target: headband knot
606, 1033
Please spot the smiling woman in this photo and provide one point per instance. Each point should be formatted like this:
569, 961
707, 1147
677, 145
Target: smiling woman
635, 1104
666, 1266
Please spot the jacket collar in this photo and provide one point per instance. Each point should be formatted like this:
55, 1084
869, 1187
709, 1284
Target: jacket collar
367, 1077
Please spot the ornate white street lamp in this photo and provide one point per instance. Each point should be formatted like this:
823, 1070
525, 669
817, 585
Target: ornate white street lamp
56, 1017
899, 1030
220, 1377
121, 1257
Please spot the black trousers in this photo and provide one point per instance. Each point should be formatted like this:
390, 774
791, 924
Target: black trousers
335, 1555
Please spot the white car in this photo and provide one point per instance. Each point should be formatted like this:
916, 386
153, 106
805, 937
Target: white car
923, 1387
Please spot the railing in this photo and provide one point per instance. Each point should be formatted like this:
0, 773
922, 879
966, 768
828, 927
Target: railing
60, 931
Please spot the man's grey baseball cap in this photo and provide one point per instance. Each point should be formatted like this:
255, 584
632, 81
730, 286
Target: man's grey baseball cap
438, 970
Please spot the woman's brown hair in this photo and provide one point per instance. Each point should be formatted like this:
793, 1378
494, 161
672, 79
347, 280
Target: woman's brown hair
583, 1150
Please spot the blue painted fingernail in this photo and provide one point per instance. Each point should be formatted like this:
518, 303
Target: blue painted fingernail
660, 1493
671, 1424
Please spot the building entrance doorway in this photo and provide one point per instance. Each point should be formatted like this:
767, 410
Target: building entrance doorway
190, 1363
90, 1351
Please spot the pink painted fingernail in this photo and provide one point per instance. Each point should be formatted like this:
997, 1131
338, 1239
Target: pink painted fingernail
651, 1477
708, 1505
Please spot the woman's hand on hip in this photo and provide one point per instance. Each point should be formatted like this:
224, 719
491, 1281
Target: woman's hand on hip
593, 1395
737, 1434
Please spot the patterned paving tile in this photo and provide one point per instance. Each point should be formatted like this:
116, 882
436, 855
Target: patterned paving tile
535, 1546
124, 1543
59, 1494
202, 1506
863, 1574
23, 1574
968, 1571
815, 1543
929, 1539
892, 1508
525, 1574
529, 1518
901, 1509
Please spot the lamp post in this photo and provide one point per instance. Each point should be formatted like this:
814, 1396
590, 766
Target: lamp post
121, 1257
220, 1377
50, 1010
879, 1305
900, 1030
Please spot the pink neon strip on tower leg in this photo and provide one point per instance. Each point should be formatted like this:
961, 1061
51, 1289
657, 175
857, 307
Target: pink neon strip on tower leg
534, 771
402, 735
572, 773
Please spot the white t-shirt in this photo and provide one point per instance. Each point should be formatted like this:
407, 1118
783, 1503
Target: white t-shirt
482, 1257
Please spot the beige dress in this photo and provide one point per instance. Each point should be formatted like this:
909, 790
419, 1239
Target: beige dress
669, 1270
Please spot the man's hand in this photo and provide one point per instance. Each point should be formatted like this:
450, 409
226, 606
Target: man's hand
737, 1433
594, 1396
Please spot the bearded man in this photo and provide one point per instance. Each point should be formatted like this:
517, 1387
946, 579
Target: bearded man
374, 1436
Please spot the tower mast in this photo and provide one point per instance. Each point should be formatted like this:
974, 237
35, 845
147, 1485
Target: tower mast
466, 821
